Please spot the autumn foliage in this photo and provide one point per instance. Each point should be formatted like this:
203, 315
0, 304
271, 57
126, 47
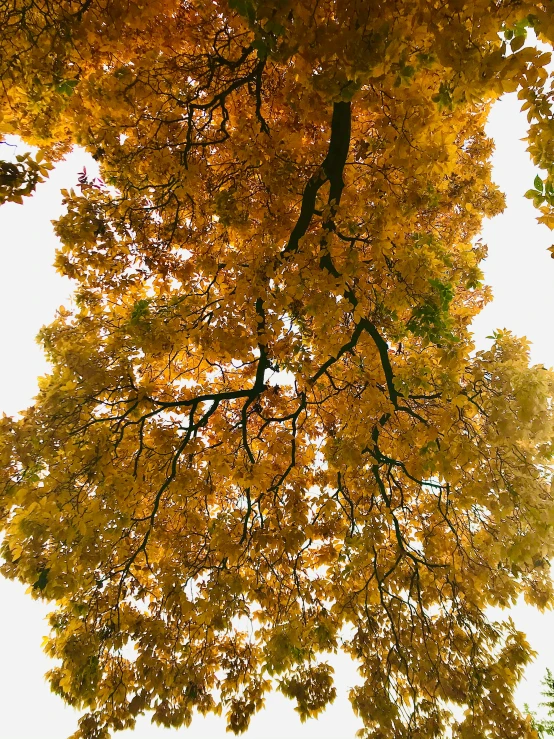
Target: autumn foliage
266, 436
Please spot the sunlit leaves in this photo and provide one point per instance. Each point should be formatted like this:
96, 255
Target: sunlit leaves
265, 436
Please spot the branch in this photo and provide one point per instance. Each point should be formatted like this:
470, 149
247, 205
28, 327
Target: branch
330, 171
382, 347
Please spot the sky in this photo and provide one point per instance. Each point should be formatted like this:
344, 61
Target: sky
519, 269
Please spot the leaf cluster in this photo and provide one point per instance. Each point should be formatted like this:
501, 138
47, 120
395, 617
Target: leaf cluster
265, 436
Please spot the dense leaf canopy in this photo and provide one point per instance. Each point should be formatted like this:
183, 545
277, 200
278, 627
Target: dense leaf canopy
266, 436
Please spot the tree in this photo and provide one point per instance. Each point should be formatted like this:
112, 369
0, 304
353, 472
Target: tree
545, 727
265, 436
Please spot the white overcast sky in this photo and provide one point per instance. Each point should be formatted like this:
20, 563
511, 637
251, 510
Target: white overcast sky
521, 272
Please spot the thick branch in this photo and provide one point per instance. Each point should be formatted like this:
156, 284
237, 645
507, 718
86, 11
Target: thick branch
330, 171
333, 166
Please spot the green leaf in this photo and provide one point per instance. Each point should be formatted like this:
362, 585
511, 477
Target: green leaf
244, 8
537, 182
67, 87
261, 47
532, 194
140, 310
40, 584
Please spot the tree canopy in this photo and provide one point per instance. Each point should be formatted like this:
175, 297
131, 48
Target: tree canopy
266, 435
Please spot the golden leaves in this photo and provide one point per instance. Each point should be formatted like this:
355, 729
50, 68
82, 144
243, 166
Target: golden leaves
263, 435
